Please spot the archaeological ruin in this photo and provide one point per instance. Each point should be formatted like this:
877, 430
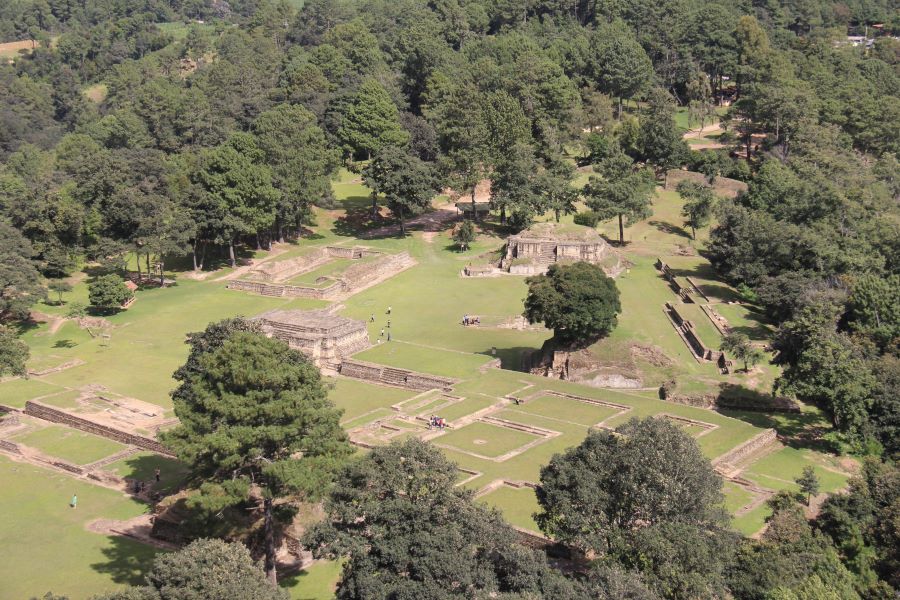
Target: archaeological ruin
535, 249
324, 337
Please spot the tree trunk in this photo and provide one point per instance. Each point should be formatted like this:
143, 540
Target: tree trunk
137, 262
619, 112
258, 242
503, 215
231, 253
693, 232
621, 231
556, 210
474, 212
203, 256
374, 205
148, 265
269, 526
402, 224
162, 279
194, 254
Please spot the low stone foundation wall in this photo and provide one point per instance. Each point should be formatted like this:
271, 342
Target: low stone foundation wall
393, 376
754, 444
354, 278
42, 411
11, 447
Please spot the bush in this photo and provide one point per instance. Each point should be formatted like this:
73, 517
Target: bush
587, 218
108, 293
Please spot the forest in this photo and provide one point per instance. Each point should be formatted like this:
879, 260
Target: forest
149, 134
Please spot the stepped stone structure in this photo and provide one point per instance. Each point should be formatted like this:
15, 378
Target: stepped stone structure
535, 249
324, 337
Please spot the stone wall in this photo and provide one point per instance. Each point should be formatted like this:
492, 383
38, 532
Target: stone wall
686, 329
754, 444
11, 447
354, 278
42, 411
393, 376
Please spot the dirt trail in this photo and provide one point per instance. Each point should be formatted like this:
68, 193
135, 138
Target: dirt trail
429, 222
239, 272
138, 529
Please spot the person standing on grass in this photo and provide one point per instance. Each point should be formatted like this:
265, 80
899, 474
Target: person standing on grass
156, 473
389, 310
74, 502
382, 332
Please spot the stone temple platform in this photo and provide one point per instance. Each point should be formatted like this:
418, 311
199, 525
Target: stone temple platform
535, 249
322, 336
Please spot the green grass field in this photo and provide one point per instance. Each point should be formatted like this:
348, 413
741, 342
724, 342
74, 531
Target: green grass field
486, 439
69, 444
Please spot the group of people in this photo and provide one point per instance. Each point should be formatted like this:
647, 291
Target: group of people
388, 326
471, 320
437, 422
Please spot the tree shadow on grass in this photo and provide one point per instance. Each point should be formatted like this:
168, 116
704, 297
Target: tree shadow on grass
142, 467
708, 283
128, 561
64, 344
803, 430
510, 358
357, 221
670, 228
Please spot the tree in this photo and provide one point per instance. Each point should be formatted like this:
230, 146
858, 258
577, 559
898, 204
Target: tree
739, 346
254, 415
698, 206
407, 531
108, 293
13, 353
20, 282
464, 234
578, 302
371, 121
660, 140
808, 482
514, 186
237, 196
209, 569
301, 161
598, 493
407, 183
554, 184
60, 287
623, 192
619, 62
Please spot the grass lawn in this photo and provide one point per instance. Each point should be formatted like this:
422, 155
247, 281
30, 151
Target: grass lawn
751, 522
315, 582
418, 358
66, 400
486, 439
142, 466
69, 444
736, 497
16, 392
358, 398
46, 546
703, 327
779, 470
566, 409
517, 504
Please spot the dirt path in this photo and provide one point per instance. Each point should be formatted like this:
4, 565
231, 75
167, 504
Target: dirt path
433, 222
713, 129
239, 272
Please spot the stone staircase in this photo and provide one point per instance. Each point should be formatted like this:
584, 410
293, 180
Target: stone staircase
393, 376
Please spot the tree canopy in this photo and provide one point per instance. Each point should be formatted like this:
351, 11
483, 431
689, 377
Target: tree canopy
578, 302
